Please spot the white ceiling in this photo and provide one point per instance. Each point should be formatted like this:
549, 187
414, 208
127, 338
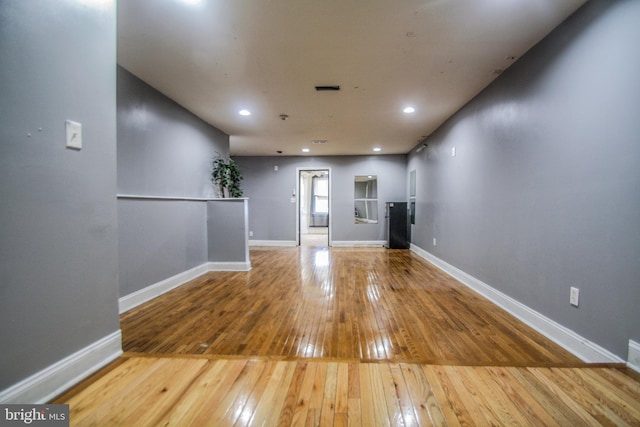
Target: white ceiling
216, 57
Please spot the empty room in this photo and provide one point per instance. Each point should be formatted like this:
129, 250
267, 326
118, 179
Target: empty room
320, 213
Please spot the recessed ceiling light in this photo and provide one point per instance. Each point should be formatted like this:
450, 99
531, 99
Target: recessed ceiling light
305, 150
244, 112
376, 149
191, 1
409, 110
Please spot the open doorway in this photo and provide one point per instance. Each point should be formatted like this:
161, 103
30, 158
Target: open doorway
313, 207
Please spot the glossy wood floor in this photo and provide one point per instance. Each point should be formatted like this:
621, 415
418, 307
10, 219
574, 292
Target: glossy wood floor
322, 337
197, 391
339, 303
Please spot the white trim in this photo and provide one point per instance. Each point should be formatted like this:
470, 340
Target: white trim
581, 347
359, 243
272, 243
228, 266
53, 380
247, 256
141, 296
179, 198
329, 200
633, 358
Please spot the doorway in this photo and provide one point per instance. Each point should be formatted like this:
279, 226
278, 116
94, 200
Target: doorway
314, 213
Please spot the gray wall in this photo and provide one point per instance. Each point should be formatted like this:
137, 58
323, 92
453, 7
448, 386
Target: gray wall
58, 225
163, 151
543, 193
272, 216
227, 236
159, 239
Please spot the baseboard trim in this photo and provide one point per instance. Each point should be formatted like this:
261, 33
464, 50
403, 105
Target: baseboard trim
581, 347
55, 379
358, 243
272, 243
141, 296
228, 266
633, 358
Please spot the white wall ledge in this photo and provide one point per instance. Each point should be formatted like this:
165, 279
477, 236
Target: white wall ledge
177, 198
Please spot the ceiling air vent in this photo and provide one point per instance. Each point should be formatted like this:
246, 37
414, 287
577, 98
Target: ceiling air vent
327, 88
319, 141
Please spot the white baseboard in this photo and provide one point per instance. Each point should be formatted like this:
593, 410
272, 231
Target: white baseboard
141, 296
272, 243
581, 347
358, 243
633, 359
53, 380
228, 266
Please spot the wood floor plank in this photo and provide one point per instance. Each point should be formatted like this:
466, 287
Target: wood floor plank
269, 400
304, 395
424, 404
557, 387
520, 397
380, 409
206, 394
328, 411
255, 395
291, 397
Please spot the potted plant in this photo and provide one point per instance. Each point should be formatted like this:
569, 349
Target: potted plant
226, 175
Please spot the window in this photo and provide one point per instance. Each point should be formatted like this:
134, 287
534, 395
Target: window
320, 194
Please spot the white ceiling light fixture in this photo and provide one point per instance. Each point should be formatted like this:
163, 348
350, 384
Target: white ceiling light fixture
305, 150
377, 149
192, 2
409, 110
244, 112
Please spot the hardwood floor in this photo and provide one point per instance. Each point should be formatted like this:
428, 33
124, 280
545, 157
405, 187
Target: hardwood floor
342, 336
198, 391
362, 305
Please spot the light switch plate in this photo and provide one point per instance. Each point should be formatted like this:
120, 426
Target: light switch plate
574, 296
74, 134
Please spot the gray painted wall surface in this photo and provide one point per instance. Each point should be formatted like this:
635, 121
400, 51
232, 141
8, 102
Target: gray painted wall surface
226, 236
272, 216
159, 239
58, 223
163, 150
543, 191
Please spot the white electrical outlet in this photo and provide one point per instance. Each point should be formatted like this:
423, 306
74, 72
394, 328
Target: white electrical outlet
453, 151
574, 296
434, 241
250, 233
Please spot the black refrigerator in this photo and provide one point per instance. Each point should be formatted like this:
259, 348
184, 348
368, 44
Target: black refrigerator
396, 217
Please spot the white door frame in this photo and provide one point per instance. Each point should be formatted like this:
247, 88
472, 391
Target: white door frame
309, 168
